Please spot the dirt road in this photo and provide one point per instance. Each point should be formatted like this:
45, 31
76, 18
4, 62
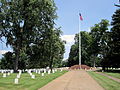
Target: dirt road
73, 80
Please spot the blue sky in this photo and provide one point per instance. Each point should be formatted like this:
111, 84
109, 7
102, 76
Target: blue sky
68, 17
92, 12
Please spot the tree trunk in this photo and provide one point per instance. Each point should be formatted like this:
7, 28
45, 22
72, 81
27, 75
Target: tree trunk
51, 63
94, 63
17, 54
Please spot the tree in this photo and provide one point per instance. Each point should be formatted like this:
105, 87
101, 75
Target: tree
7, 61
57, 48
99, 35
115, 39
86, 40
25, 22
94, 45
48, 52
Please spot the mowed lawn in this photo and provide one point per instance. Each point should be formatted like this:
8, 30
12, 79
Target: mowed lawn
116, 75
105, 82
26, 83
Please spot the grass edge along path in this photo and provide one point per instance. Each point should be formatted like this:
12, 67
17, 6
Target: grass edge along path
26, 83
116, 75
105, 82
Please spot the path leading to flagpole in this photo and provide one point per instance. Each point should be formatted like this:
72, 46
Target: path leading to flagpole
73, 80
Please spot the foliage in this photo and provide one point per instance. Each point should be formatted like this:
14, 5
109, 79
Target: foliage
94, 45
86, 40
7, 61
99, 34
115, 40
29, 28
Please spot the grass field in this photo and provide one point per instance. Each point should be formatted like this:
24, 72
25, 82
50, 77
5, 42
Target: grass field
26, 83
105, 82
116, 75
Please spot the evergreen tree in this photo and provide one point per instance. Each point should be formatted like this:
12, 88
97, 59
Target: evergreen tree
115, 40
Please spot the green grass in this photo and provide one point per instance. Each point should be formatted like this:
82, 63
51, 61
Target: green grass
26, 83
105, 82
116, 75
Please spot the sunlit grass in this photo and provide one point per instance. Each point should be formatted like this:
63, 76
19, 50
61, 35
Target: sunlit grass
26, 83
105, 82
116, 75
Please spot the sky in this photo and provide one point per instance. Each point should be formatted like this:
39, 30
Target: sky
68, 11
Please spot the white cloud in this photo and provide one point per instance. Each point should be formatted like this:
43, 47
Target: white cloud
69, 42
4, 51
88, 30
68, 38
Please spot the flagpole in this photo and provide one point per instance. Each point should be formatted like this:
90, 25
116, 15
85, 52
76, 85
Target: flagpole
79, 45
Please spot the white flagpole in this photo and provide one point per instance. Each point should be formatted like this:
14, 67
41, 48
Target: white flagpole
79, 44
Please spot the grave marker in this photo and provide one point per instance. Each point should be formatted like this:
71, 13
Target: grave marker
16, 81
42, 74
33, 76
4, 75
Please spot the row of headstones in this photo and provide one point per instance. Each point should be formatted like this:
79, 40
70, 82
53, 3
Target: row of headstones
36, 71
29, 71
6, 72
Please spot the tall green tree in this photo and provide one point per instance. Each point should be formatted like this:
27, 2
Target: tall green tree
99, 35
25, 22
57, 48
115, 39
49, 52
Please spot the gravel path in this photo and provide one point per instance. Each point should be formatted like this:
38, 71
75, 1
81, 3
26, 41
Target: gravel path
73, 80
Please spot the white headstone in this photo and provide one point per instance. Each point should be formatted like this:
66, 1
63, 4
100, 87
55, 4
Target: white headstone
23, 70
29, 71
44, 70
42, 74
8, 73
4, 75
18, 75
20, 71
30, 74
33, 76
36, 71
61, 70
53, 71
48, 71
16, 81
11, 71
2, 71
39, 72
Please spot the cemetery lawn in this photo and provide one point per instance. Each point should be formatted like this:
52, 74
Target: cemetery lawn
26, 83
116, 75
105, 82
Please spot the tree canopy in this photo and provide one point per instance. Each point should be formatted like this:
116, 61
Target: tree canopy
29, 28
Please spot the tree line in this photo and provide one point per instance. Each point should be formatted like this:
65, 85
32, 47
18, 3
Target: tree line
28, 27
100, 46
